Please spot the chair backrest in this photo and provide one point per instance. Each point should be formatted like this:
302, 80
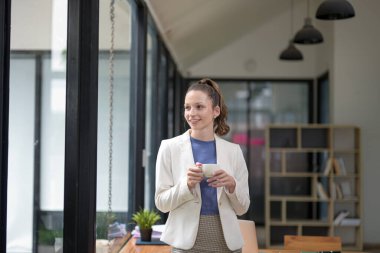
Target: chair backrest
248, 230
312, 243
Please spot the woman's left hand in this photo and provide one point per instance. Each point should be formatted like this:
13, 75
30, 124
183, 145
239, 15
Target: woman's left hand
222, 178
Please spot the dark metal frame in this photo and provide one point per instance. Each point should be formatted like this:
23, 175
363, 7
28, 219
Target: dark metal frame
162, 66
81, 126
5, 28
37, 152
320, 114
137, 106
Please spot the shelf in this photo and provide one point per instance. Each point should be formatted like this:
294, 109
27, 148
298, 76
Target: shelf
346, 226
296, 198
314, 138
300, 150
316, 223
351, 199
346, 151
303, 164
283, 138
297, 174
351, 175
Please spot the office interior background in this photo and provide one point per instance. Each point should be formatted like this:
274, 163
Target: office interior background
158, 48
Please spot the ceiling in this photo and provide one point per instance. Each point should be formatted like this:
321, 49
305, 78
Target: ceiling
194, 29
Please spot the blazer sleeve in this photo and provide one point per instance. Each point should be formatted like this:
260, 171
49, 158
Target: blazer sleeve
240, 199
170, 192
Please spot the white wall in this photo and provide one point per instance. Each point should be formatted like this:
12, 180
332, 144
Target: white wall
256, 55
39, 20
355, 87
324, 52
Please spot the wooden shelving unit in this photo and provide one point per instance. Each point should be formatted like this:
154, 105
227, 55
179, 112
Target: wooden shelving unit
303, 196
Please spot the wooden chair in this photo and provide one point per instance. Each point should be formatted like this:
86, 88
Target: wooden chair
312, 243
248, 230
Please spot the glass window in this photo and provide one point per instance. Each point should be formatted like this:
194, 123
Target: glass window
253, 105
149, 125
113, 115
36, 125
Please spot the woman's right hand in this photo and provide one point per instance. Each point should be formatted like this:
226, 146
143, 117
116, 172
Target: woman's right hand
194, 176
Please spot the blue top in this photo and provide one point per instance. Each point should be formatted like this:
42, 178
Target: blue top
205, 152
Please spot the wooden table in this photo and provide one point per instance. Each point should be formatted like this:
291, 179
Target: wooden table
131, 247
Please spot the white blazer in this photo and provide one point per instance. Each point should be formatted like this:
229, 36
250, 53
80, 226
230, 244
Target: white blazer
172, 195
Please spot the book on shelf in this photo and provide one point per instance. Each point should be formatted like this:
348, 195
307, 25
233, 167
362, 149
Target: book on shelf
339, 166
340, 216
346, 189
333, 191
350, 222
336, 191
328, 167
321, 192
339, 193
336, 166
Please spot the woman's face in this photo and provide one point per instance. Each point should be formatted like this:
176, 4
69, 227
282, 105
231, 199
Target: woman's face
199, 111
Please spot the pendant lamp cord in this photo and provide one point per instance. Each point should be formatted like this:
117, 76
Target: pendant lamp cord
291, 18
110, 129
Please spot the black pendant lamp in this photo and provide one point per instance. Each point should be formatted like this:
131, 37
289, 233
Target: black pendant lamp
291, 53
308, 34
335, 9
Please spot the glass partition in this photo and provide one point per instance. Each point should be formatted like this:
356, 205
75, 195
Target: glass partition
252, 106
113, 117
36, 125
149, 123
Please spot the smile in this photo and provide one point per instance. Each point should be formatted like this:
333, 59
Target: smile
193, 121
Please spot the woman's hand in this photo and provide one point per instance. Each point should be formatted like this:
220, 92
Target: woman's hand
194, 176
222, 178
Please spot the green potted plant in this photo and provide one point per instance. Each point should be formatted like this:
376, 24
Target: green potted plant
145, 219
103, 220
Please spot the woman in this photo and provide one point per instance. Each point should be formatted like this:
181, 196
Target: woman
202, 211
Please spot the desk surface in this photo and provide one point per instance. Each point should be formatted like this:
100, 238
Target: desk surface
131, 247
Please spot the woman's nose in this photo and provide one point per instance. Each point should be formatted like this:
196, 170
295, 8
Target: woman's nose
191, 111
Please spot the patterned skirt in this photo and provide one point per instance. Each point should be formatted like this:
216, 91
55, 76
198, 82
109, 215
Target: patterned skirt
210, 238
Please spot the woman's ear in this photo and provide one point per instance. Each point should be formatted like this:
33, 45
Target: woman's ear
216, 111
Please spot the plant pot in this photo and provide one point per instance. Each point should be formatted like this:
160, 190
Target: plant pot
146, 234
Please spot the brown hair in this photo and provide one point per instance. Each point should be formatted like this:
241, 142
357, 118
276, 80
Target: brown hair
211, 88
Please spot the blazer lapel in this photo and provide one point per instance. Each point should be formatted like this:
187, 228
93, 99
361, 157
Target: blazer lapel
187, 154
221, 157
186, 151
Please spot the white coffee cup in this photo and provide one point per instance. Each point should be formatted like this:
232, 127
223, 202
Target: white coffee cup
209, 168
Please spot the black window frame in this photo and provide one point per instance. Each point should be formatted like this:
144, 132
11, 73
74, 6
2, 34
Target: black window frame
5, 31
